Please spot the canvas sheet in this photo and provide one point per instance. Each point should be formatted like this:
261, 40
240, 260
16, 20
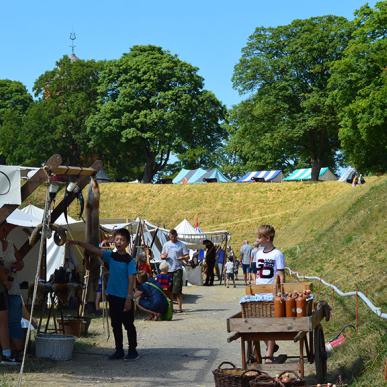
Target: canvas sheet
9, 185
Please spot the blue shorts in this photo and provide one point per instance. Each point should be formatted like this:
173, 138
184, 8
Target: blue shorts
245, 268
253, 268
15, 314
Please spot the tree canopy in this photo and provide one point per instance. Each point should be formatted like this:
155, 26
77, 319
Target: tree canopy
359, 89
56, 121
287, 117
14, 102
153, 104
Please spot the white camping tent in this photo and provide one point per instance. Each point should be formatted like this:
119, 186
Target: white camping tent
30, 217
347, 175
185, 227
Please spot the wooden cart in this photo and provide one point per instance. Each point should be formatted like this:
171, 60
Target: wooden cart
307, 331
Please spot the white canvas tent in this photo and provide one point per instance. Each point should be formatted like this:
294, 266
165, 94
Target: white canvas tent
347, 175
185, 227
30, 217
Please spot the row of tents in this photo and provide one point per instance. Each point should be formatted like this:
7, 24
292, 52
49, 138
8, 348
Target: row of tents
27, 218
196, 176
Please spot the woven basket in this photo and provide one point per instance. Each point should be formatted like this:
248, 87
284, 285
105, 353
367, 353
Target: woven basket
233, 377
268, 381
265, 381
257, 309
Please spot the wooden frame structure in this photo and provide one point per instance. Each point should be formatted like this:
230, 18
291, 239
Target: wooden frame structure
50, 168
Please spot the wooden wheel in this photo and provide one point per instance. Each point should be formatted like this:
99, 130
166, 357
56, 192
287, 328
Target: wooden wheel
320, 354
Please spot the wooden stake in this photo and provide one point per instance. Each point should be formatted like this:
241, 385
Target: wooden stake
357, 311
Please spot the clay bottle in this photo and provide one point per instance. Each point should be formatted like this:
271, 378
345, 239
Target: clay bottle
279, 306
290, 305
301, 305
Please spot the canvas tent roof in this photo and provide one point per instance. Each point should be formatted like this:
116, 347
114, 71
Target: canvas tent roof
275, 175
102, 177
194, 176
347, 174
185, 227
306, 174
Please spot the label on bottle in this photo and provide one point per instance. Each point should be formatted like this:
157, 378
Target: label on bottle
299, 310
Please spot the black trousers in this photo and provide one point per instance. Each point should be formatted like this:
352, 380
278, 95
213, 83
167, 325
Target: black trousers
210, 272
118, 318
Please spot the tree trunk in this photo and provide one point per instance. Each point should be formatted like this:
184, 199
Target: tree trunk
149, 167
315, 169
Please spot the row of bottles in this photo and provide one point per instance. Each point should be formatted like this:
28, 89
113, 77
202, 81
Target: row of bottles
292, 304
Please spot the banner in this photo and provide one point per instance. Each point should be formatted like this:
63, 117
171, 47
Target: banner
9, 185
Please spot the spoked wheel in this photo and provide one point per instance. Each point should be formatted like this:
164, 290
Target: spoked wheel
320, 355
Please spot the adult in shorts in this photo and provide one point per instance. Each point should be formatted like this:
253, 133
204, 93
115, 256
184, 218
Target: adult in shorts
174, 253
245, 254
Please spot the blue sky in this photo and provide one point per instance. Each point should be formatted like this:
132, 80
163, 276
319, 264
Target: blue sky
209, 34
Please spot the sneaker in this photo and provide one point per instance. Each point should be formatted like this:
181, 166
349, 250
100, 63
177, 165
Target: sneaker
9, 361
117, 355
132, 355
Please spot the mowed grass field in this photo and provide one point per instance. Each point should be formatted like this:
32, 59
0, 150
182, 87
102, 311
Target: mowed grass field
328, 228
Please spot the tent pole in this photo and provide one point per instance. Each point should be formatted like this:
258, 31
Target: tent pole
46, 222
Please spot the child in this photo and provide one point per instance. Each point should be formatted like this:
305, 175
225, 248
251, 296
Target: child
229, 270
164, 279
122, 269
270, 263
143, 265
151, 297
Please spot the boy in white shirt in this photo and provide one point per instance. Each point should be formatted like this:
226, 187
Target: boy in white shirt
229, 270
270, 263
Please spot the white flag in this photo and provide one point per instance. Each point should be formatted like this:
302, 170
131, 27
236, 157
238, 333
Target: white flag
9, 185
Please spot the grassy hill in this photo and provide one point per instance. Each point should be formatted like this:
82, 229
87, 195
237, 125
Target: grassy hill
330, 229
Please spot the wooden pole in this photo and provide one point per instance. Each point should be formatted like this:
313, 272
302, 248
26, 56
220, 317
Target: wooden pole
357, 310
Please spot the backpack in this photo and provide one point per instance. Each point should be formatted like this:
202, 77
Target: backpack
168, 314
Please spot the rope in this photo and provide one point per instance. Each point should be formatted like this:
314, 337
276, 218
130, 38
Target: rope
46, 222
364, 298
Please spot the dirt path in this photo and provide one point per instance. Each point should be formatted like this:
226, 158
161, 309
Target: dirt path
182, 352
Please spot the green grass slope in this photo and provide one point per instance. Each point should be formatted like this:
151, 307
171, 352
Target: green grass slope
346, 244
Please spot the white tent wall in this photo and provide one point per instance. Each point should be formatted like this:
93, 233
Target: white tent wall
18, 237
328, 176
277, 179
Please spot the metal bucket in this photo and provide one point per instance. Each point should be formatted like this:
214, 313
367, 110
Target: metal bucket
54, 346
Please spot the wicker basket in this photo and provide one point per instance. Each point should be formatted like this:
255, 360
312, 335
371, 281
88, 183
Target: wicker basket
268, 381
233, 377
257, 309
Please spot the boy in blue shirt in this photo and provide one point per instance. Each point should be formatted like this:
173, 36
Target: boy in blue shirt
122, 270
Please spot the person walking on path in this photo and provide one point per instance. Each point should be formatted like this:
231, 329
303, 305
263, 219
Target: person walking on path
210, 262
245, 254
120, 291
174, 252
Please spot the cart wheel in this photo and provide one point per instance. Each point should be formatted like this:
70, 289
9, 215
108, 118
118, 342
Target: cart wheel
320, 355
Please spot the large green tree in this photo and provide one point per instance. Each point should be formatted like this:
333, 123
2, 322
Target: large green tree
359, 88
14, 102
287, 118
152, 105
56, 121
